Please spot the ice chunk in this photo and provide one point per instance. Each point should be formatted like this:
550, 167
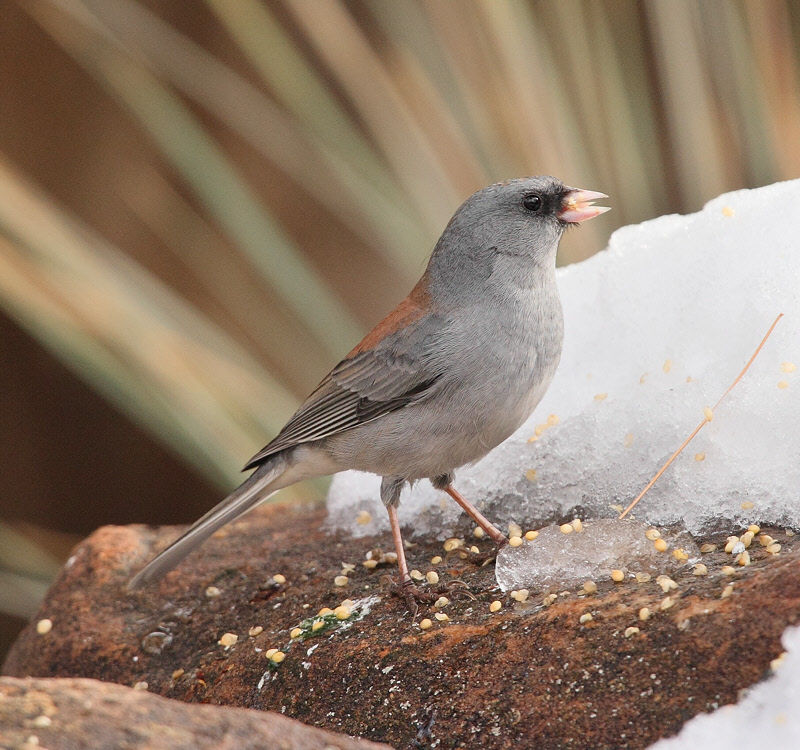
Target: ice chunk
555, 560
770, 708
657, 327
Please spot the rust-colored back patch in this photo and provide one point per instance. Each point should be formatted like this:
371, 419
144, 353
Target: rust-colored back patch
412, 308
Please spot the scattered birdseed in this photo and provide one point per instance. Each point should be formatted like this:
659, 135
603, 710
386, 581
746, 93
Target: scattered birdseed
279, 578
40, 722
316, 625
789, 532
532, 439
666, 603
700, 456
747, 505
643, 378
370, 564
228, 639
342, 612
495, 605
628, 441
782, 384
566, 528
212, 592
531, 535
432, 577
425, 624
667, 366
530, 475
141, 685
325, 611
700, 570
743, 558
660, 545
680, 554
390, 557
436, 559
521, 595
732, 542
441, 616
43, 627
442, 601
708, 413
474, 549
707, 547
653, 534
590, 587
514, 529
728, 211
577, 524
349, 603
774, 548
601, 397
747, 538
617, 508
617, 576
765, 540
478, 532
453, 543
178, 673
549, 599
643, 577
644, 614
689, 379
277, 657
666, 583
753, 529
363, 518
553, 419
515, 541
540, 428
254, 631
347, 568
775, 664
727, 570
684, 624
727, 591
586, 618
296, 633
788, 367
341, 581
631, 631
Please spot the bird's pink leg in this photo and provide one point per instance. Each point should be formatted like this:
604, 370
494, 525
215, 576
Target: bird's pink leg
405, 576
498, 537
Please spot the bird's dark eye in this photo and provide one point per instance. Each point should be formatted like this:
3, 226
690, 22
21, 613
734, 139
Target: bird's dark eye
532, 202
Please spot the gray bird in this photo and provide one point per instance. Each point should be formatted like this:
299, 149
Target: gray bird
449, 374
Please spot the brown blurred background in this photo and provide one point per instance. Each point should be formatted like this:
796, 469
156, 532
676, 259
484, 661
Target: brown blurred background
203, 205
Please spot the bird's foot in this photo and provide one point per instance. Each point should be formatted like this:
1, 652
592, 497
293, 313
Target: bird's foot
481, 559
410, 593
454, 588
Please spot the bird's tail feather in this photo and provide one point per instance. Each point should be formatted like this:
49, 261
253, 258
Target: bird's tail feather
257, 487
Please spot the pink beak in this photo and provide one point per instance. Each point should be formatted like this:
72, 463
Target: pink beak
578, 206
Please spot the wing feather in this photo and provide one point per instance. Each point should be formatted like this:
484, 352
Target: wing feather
362, 387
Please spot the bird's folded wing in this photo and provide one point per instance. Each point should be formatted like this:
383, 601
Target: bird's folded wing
365, 386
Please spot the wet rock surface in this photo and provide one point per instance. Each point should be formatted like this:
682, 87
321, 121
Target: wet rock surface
526, 675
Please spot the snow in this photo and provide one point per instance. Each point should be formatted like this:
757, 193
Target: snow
657, 327
768, 712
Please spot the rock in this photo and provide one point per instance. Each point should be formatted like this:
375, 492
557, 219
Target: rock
80, 713
527, 675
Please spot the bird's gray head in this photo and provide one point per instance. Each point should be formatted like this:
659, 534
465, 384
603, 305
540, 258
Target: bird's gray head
509, 231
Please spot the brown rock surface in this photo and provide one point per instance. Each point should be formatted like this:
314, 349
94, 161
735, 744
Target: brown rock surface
68, 714
526, 676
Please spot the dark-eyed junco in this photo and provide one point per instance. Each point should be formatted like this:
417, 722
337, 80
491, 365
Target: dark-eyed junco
449, 374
